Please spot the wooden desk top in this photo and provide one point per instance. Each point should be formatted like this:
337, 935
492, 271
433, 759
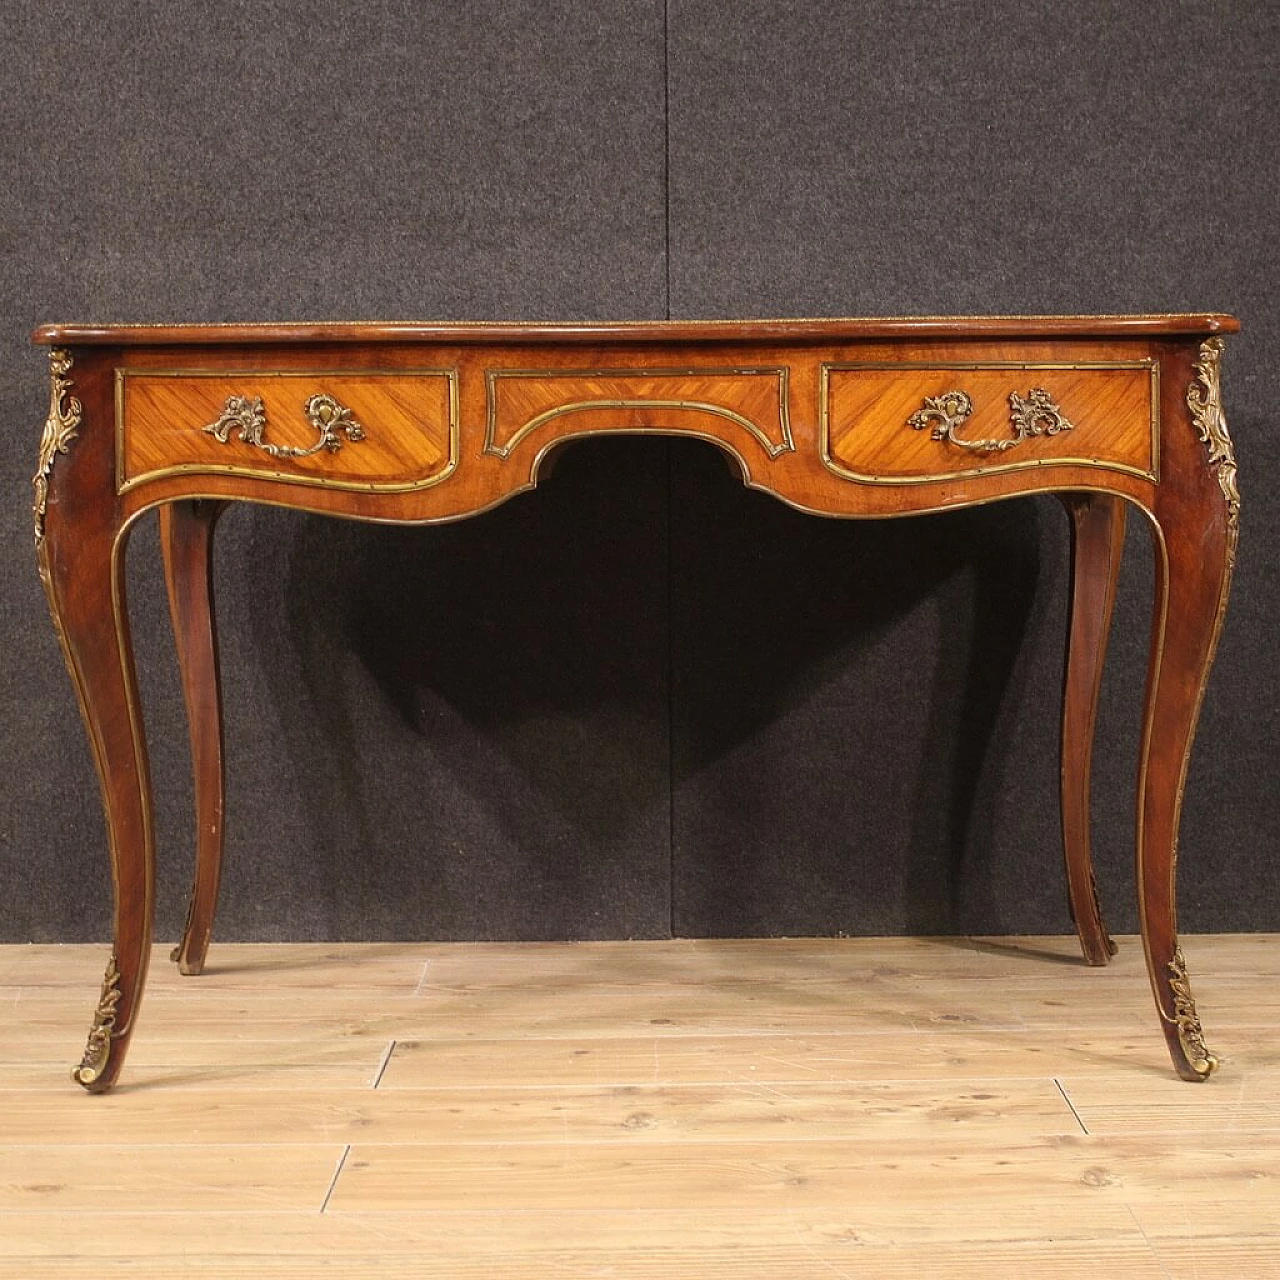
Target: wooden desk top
793, 330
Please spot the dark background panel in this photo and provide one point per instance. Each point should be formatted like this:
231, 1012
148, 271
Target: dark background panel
468, 722
853, 746
451, 732
642, 698
880, 752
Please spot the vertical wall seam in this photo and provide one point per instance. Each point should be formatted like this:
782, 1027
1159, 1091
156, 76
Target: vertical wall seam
671, 701
671, 671
666, 143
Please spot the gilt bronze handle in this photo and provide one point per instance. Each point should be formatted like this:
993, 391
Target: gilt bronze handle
1036, 415
249, 416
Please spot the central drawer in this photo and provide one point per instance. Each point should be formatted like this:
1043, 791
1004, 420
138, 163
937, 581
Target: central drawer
372, 430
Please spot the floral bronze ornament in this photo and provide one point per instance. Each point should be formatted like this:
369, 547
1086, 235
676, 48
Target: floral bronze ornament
1187, 1021
1204, 399
1037, 415
60, 429
248, 417
97, 1052
947, 413
1034, 415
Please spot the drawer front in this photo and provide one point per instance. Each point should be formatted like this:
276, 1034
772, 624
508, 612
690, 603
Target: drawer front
375, 430
910, 424
731, 404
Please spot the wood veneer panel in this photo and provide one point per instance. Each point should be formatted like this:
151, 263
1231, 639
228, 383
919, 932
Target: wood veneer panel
634, 1115
836, 1174
870, 435
407, 424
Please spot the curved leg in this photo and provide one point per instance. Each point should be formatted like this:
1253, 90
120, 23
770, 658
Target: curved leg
186, 538
1097, 539
1196, 528
80, 551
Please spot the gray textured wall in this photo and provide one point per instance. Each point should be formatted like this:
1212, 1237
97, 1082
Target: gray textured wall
578, 716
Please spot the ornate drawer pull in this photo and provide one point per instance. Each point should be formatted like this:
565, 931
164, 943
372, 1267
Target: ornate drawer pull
323, 412
1037, 415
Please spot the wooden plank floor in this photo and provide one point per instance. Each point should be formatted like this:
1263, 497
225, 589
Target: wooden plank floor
774, 1109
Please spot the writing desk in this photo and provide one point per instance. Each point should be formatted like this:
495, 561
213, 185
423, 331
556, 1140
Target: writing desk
421, 423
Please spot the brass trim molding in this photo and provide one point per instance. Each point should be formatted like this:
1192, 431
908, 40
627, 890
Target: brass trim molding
1151, 365
1204, 399
323, 412
97, 1052
772, 448
1185, 1018
60, 429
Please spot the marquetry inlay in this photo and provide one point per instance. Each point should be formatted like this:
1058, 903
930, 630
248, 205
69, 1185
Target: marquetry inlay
265, 424
749, 406
1005, 418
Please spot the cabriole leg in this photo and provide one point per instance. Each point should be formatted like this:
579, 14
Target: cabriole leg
1097, 539
186, 538
80, 553
1197, 526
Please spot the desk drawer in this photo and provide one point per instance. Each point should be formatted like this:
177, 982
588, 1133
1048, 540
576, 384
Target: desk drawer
375, 430
905, 424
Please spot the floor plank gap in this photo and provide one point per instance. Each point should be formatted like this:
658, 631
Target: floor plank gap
1067, 1099
337, 1173
382, 1067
